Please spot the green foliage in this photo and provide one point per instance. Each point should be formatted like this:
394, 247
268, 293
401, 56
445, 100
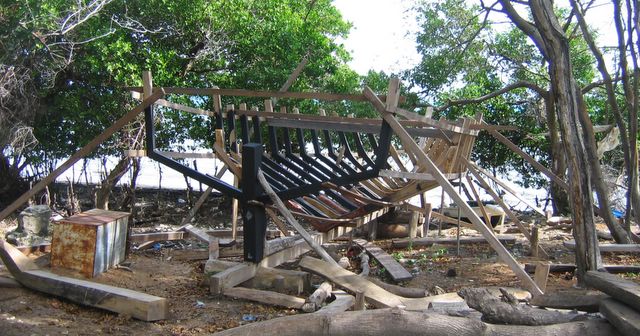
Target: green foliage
246, 44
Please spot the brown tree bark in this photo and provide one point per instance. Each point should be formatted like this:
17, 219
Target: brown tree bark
102, 193
548, 35
558, 163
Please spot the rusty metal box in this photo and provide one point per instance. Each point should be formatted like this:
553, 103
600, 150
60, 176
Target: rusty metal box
90, 242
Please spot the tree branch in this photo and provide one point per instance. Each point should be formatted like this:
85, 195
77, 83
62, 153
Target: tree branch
521, 84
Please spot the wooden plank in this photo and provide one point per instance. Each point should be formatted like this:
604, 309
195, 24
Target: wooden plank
561, 268
157, 236
262, 94
414, 176
426, 241
529, 159
396, 271
622, 290
374, 294
541, 275
123, 301
410, 144
231, 277
42, 248
571, 244
190, 254
583, 300
266, 297
342, 303
84, 151
291, 220
173, 155
472, 165
623, 318
295, 281
196, 233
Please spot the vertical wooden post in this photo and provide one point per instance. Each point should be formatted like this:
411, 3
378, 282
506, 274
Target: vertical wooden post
427, 219
413, 224
372, 228
359, 305
534, 241
253, 215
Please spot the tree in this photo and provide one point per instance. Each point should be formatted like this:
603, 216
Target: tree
75, 57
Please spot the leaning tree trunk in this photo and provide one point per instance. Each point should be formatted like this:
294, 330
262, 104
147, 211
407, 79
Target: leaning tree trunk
558, 162
555, 46
102, 194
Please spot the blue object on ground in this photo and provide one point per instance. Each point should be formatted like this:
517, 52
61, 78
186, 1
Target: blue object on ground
248, 318
617, 213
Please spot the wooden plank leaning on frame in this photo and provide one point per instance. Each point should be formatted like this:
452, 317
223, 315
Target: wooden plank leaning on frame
409, 143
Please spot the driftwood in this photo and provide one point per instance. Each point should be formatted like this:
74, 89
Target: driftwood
342, 302
494, 310
398, 322
408, 292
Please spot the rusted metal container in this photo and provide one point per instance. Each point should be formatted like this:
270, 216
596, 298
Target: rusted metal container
90, 242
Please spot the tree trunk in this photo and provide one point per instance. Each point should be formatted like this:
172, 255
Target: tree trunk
554, 45
398, 322
102, 194
558, 162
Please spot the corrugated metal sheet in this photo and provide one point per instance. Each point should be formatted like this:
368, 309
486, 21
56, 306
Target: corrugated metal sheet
90, 242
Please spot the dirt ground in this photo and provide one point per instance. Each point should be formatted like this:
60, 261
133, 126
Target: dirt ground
193, 311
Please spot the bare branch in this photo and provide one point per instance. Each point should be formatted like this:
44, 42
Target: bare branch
521, 84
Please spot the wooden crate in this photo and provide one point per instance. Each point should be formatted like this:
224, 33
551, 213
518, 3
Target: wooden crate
90, 242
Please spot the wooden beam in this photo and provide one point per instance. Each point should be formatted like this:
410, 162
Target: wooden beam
477, 168
119, 300
621, 316
583, 300
529, 159
411, 145
396, 271
292, 221
266, 297
541, 275
620, 289
414, 176
84, 151
426, 241
231, 277
294, 281
562, 268
173, 155
157, 236
374, 294
262, 94
571, 244
342, 303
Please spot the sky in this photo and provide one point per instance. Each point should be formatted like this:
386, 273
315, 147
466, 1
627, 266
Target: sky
381, 36
383, 32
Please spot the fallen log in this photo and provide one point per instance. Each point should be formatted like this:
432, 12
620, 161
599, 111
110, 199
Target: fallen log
393, 321
583, 300
494, 310
124, 301
342, 302
408, 292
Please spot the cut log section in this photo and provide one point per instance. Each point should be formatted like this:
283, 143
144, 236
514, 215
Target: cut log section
620, 289
625, 319
123, 301
396, 271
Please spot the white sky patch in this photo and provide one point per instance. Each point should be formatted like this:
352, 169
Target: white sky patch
383, 34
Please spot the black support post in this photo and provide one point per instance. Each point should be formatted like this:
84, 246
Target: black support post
253, 215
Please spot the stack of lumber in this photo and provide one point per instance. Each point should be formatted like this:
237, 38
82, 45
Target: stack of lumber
623, 308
